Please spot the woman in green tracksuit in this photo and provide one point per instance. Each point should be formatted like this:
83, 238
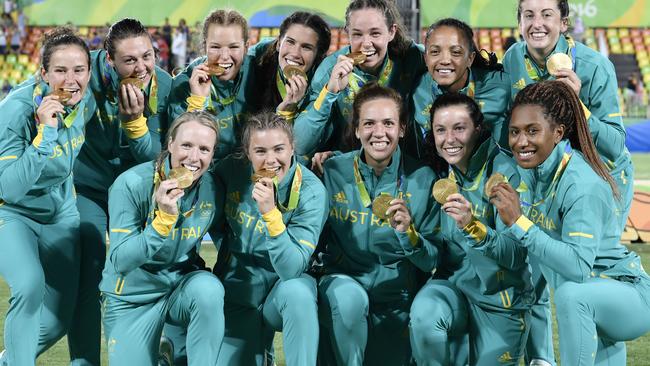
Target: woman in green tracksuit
226, 96
153, 271
303, 42
375, 31
379, 233
602, 293
483, 286
542, 23
126, 130
272, 228
455, 65
40, 138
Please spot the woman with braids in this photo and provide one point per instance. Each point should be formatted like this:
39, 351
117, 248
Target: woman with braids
379, 51
456, 66
275, 210
543, 25
41, 132
379, 238
220, 82
564, 220
301, 45
482, 287
131, 119
159, 212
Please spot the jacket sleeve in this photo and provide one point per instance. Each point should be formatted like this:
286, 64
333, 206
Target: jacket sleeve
573, 255
310, 125
132, 243
603, 112
21, 158
290, 247
422, 240
178, 95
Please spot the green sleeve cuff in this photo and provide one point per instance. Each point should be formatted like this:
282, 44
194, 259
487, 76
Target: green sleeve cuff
274, 223
476, 230
136, 128
195, 103
163, 222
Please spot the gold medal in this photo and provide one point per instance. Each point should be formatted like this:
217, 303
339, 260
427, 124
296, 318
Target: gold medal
62, 95
291, 71
558, 61
357, 58
133, 81
215, 70
443, 188
262, 173
380, 204
492, 182
183, 176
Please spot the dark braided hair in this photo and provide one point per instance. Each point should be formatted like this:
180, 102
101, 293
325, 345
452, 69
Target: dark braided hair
401, 42
560, 105
123, 29
60, 37
446, 100
268, 63
482, 59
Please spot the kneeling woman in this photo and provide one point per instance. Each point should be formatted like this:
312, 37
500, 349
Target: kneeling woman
379, 245
159, 212
602, 293
482, 287
275, 210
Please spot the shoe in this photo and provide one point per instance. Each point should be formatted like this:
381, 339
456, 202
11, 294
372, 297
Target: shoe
539, 362
165, 352
2, 358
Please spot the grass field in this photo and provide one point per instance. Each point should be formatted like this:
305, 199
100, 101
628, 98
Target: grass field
638, 350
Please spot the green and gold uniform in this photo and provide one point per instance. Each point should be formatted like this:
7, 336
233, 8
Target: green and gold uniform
39, 221
599, 96
602, 292
262, 263
153, 272
483, 286
372, 271
227, 102
322, 125
112, 146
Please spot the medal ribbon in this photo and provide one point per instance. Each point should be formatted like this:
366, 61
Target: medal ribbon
532, 71
361, 187
294, 194
37, 99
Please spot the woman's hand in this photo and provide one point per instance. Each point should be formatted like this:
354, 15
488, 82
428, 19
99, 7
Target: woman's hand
200, 81
48, 110
506, 200
340, 74
570, 78
296, 88
130, 102
400, 217
459, 209
318, 160
167, 196
264, 195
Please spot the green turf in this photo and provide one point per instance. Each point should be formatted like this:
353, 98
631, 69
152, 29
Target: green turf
641, 166
638, 351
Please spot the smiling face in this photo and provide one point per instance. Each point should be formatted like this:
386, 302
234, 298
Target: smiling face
448, 57
455, 135
134, 57
192, 147
225, 46
68, 70
369, 34
541, 25
271, 150
532, 136
379, 130
298, 47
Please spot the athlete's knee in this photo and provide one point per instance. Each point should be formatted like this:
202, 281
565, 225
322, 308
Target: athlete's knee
27, 291
298, 293
569, 297
206, 291
429, 315
348, 302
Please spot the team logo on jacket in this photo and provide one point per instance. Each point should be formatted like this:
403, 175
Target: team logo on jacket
234, 196
340, 198
206, 208
519, 84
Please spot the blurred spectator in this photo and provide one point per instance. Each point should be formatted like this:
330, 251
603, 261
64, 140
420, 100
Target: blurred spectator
179, 45
16, 39
633, 94
509, 42
8, 7
578, 31
166, 31
96, 41
195, 41
22, 22
162, 48
3, 41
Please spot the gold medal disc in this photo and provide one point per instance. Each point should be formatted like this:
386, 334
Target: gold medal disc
133, 81
558, 61
183, 176
380, 204
291, 71
443, 188
262, 173
63, 95
492, 182
357, 58
216, 70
